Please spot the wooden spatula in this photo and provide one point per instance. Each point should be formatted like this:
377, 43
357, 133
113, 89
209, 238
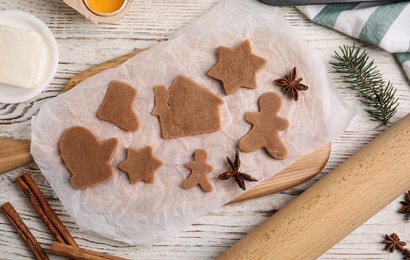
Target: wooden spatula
13, 154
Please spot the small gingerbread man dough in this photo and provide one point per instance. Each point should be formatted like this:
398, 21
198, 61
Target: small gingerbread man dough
266, 127
199, 170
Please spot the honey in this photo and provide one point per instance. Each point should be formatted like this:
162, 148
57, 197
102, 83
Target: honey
105, 7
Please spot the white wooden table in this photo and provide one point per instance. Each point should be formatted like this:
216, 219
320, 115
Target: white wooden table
83, 44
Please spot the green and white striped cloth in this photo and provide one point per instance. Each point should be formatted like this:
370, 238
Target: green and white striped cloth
387, 26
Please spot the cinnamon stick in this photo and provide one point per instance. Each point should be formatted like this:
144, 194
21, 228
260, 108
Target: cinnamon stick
15, 220
44, 210
78, 253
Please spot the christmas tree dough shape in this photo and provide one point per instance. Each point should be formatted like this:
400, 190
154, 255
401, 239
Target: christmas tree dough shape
237, 67
118, 104
199, 170
87, 158
140, 165
186, 109
266, 127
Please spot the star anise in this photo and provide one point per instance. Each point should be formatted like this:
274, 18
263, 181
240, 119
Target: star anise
240, 177
392, 242
406, 254
290, 85
406, 204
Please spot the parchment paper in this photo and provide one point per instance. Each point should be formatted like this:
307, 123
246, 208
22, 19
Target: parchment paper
149, 213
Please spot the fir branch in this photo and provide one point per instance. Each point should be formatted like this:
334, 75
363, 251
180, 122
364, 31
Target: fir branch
363, 76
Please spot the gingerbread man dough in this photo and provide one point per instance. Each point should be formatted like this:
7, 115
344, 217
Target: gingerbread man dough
199, 170
266, 127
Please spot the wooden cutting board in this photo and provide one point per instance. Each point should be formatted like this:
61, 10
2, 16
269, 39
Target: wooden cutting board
16, 153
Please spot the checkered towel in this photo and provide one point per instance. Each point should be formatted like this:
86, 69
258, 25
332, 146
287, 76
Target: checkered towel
387, 26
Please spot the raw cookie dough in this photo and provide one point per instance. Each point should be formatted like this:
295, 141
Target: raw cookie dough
199, 170
118, 104
237, 67
186, 109
140, 165
266, 127
87, 158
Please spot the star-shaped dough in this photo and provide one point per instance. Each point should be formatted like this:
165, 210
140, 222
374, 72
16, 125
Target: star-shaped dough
140, 165
237, 67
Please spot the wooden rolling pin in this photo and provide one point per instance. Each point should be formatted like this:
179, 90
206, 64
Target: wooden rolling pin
337, 204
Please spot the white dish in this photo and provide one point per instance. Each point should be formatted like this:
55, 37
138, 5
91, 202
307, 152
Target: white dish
106, 14
48, 56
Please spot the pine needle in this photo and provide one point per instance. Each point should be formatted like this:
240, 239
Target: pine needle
363, 76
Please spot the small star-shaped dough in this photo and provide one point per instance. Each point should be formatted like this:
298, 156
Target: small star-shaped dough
237, 67
140, 165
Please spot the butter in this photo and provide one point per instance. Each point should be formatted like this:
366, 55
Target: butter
19, 52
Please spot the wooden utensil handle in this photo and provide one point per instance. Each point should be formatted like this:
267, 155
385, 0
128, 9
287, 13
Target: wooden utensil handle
13, 154
337, 204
